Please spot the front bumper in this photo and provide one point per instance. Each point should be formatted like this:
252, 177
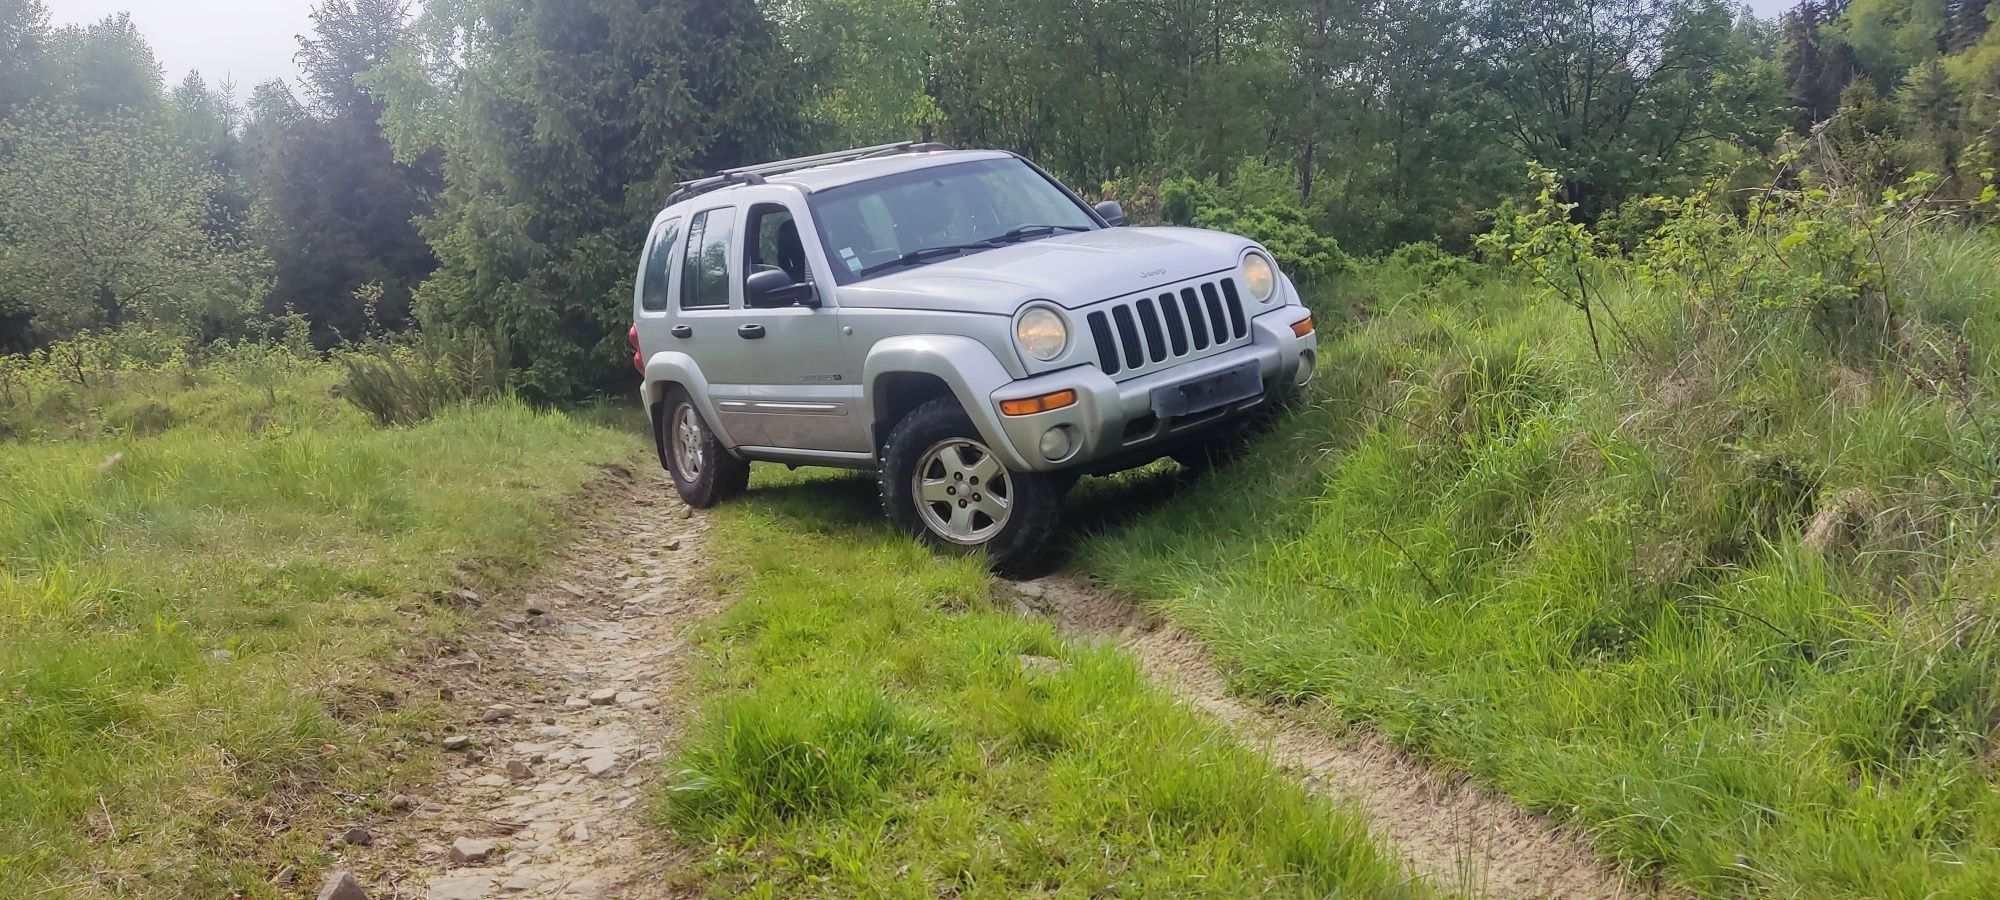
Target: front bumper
1114, 421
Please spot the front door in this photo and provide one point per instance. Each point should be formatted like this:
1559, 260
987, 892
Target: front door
776, 375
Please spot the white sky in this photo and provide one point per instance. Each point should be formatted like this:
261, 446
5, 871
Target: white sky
249, 41
252, 41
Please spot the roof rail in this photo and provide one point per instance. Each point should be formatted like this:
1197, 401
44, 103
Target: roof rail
755, 174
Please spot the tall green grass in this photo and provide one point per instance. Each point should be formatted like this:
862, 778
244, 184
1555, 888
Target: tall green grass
869, 730
1726, 600
199, 617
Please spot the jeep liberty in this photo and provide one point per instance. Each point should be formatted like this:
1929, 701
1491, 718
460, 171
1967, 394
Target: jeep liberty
958, 322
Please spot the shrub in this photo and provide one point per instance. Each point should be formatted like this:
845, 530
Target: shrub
1257, 211
407, 383
1429, 263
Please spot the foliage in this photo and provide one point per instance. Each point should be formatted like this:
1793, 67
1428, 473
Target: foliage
1257, 204
102, 224
334, 208
1558, 253
871, 59
403, 383
866, 702
563, 126
1614, 101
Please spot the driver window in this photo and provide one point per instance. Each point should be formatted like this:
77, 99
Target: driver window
772, 242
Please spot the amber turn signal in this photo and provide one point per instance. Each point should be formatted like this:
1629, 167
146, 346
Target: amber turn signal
1028, 406
1302, 327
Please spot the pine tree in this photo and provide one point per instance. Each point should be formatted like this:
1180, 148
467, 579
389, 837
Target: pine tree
1968, 23
564, 126
1818, 65
336, 209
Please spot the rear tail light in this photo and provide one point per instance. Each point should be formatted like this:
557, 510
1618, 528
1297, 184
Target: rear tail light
638, 359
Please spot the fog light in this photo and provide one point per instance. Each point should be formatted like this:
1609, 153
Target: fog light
1056, 443
1304, 376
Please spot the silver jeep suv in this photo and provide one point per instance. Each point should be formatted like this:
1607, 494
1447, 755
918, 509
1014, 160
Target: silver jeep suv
955, 320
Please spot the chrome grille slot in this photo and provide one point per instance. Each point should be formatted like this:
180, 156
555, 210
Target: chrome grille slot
1141, 333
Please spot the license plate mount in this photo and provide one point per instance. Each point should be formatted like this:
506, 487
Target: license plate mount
1209, 392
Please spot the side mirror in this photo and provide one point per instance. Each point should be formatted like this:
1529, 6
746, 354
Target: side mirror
1111, 211
775, 289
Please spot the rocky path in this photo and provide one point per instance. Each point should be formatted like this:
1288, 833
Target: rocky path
1456, 835
564, 705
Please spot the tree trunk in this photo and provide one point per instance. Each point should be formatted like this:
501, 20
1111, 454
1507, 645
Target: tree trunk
110, 307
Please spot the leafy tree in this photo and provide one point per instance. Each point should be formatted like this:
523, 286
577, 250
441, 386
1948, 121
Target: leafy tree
106, 70
873, 60
24, 35
101, 225
564, 124
1613, 95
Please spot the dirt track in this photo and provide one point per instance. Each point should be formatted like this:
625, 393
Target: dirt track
565, 712
1454, 834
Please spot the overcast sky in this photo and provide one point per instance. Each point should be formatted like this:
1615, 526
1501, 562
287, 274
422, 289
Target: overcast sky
248, 41
251, 41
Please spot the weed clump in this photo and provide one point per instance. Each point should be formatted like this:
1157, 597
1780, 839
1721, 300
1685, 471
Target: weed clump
407, 383
815, 753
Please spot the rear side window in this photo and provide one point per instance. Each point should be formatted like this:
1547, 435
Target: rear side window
705, 270
653, 280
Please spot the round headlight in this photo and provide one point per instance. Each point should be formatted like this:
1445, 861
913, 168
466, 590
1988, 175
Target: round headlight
1259, 276
1041, 332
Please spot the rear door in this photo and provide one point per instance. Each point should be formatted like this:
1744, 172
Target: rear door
776, 375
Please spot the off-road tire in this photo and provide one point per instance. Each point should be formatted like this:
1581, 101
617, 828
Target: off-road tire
721, 475
1037, 498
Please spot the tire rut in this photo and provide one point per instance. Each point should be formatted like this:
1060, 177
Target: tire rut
564, 709
1454, 834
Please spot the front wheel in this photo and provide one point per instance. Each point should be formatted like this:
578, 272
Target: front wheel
703, 470
941, 483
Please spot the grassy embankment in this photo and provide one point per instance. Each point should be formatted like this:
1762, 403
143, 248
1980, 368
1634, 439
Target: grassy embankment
873, 731
1727, 598
206, 576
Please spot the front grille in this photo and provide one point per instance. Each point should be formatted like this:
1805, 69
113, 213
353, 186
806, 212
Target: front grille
1135, 333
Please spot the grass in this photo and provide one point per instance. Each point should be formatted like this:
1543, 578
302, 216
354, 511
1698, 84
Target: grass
1727, 601
871, 730
201, 614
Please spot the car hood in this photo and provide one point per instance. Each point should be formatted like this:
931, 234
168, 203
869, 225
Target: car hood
1071, 269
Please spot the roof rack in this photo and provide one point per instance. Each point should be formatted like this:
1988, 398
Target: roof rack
755, 174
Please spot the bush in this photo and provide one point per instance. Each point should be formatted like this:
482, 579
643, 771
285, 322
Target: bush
1259, 208
407, 383
1429, 263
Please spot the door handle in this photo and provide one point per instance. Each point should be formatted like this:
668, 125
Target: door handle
681, 331
750, 332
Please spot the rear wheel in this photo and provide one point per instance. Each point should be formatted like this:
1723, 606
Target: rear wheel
942, 483
704, 472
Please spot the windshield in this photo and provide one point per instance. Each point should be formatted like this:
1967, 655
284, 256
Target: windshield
902, 221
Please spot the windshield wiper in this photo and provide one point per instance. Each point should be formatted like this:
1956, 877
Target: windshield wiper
1027, 231
924, 253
